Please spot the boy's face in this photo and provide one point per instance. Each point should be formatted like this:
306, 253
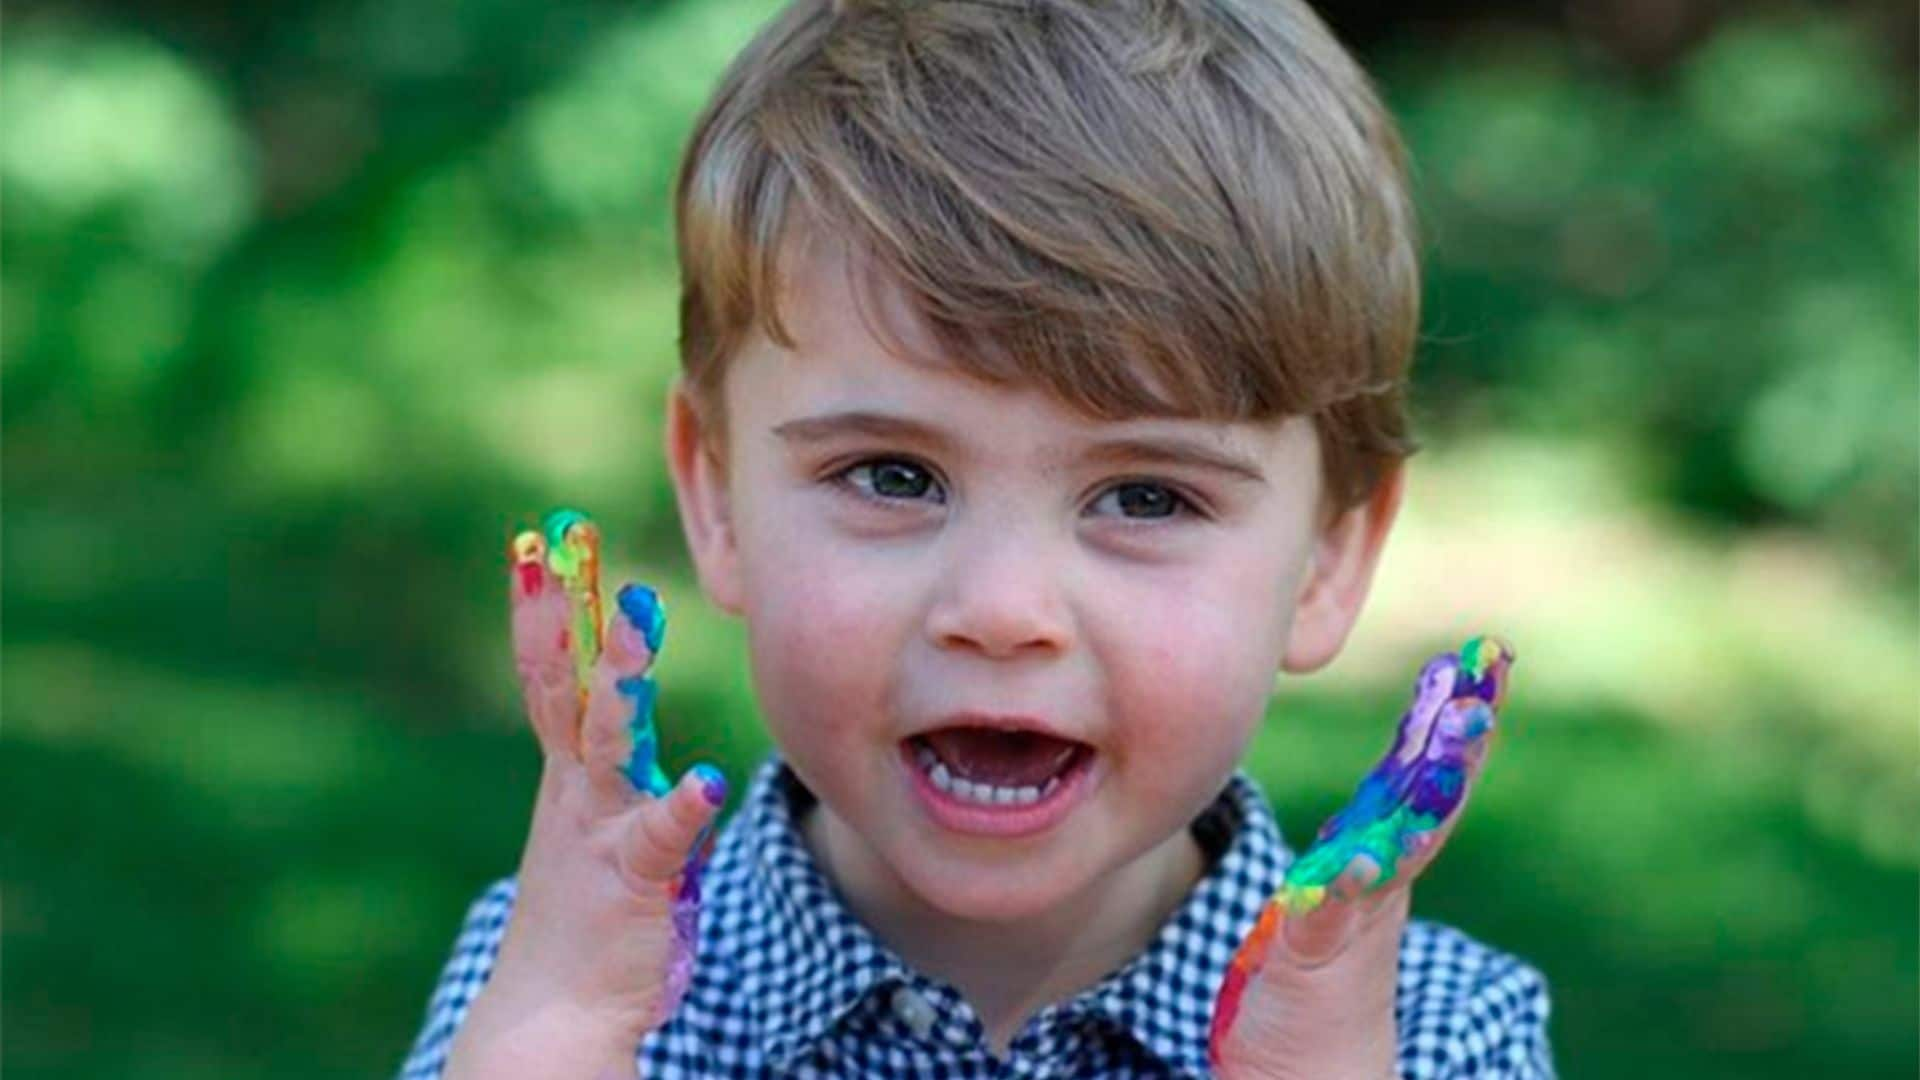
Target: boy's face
922, 558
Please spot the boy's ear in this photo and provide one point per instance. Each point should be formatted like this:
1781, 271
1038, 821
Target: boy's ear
700, 489
1335, 587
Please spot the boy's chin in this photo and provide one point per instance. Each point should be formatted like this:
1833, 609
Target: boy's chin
1014, 891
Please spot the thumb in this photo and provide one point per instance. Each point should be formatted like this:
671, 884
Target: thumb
1311, 992
1317, 933
664, 835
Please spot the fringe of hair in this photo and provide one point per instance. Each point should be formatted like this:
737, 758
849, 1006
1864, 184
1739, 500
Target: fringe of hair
1145, 207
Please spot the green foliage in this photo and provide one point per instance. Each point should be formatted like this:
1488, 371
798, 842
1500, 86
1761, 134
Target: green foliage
1691, 920
295, 333
1716, 269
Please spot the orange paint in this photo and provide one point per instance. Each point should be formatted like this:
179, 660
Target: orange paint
1247, 962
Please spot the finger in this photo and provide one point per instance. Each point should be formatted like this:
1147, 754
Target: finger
1441, 793
665, 831
1431, 690
1485, 662
1317, 934
1247, 963
1346, 897
573, 554
1281, 996
621, 743
1419, 785
542, 653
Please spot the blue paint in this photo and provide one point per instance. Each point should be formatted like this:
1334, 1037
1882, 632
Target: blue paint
643, 764
713, 783
643, 609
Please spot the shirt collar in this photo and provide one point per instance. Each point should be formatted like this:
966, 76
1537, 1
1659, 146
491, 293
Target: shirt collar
824, 960
1164, 996
828, 962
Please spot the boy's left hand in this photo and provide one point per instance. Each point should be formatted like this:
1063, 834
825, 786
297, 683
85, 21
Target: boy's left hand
1311, 991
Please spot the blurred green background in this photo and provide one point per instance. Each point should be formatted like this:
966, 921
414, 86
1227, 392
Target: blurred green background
306, 305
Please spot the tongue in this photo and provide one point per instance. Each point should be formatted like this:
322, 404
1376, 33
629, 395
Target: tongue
1002, 758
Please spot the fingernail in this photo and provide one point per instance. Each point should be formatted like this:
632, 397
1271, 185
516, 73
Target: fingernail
633, 645
1301, 899
1485, 661
1316, 938
1416, 844
642, 608
528, 550
713, 783
557, 524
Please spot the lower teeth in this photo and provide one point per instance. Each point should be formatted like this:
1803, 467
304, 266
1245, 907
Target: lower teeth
983, 794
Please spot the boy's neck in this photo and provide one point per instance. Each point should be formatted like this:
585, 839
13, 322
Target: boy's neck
1010, 971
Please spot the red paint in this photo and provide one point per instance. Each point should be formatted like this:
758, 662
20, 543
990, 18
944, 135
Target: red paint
1247, 962
531, 578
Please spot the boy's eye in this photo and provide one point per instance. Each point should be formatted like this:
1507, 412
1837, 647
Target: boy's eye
1141, 499
891, 478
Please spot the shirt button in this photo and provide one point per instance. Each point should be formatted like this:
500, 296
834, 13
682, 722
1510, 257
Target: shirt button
913, 1011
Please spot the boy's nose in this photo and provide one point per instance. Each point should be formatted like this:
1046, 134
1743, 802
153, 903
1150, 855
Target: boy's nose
1001, 597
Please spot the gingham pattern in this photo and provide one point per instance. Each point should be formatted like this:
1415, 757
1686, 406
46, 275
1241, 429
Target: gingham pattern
790, 984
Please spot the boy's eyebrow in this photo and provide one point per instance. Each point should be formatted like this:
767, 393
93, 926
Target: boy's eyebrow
1173, 450
857, 422
1168, 449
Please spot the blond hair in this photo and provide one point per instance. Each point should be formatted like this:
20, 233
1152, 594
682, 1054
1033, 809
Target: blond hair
1145, 207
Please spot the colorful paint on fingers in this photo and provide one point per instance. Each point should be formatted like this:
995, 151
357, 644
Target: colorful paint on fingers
1410, 793
528, 550
683, 894
568, 544
573, 554
643, 611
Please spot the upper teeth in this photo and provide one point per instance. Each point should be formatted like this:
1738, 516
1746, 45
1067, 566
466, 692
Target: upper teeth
985, 794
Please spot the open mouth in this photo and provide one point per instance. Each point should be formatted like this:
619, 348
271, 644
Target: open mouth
986, 767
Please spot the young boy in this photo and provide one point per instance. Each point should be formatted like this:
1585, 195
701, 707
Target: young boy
1042, 401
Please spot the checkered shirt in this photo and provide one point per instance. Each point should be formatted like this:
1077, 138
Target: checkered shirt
789, 983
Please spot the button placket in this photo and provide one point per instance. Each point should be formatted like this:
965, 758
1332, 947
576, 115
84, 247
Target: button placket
911, 1008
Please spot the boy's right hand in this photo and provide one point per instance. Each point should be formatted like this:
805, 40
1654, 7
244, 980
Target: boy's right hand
599, 946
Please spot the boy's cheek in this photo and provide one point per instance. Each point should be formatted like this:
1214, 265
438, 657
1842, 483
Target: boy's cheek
803, 590
801, 648
1199, 688
1190, 711
817, 638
